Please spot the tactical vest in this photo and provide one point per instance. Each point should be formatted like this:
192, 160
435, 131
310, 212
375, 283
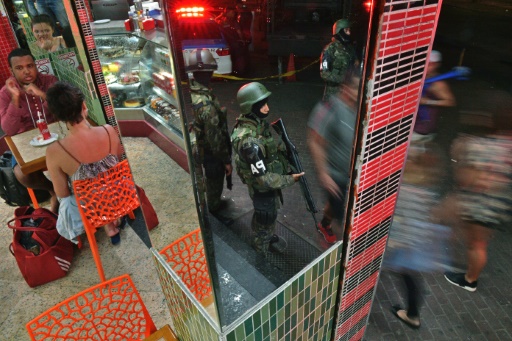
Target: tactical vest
274, 156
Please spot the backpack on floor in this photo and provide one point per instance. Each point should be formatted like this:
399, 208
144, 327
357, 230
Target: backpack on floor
14, 193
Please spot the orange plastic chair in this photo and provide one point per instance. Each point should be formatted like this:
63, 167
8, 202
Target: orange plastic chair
163, 334
186, 258
103, 199
33, 197
111, 310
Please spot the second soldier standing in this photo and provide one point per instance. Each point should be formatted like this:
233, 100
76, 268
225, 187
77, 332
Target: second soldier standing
261, 163
337, 57
210, 137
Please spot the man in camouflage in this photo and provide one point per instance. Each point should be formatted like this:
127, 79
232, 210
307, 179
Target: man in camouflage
337, 57
209, 132
261, 163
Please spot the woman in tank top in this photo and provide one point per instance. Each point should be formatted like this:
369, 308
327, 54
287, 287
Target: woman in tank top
83, 153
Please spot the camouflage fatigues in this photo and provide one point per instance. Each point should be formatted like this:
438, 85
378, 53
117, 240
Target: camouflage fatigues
335, 60
210, 141
264, 178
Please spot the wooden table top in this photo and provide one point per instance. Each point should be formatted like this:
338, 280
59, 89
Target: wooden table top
30, 158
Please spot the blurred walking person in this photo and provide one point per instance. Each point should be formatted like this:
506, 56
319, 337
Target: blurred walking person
416, 244
435, 95
330, 139
483, 175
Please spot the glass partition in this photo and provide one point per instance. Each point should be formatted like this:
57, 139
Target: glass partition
241, 276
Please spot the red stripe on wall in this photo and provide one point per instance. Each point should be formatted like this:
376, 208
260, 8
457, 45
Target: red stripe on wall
345, 327
348, 299
382, 167
359, 335
366, 257
373, 216
391, 107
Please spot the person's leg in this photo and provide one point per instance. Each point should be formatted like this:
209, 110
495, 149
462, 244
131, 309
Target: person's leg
411, 315
413, 294
31, 8
57, 7
324, 227
37, 180
214, 187
478, 240
478, 237
263, 221
44, 8
334, 209
214, 173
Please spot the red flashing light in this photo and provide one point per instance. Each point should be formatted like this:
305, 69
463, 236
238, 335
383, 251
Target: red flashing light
190, 12
368, 5
223, 52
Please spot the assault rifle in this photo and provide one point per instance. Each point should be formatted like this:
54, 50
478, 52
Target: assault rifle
296, 165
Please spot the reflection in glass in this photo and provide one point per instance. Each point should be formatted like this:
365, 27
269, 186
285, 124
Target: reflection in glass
64, 62
43, 29
244, 278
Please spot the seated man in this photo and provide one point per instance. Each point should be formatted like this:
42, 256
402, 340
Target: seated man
21, 98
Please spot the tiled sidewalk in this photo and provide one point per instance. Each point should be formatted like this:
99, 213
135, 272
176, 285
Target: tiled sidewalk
449, 312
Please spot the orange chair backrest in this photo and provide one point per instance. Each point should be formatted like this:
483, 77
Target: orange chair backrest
111, 310
186, 257
108, 196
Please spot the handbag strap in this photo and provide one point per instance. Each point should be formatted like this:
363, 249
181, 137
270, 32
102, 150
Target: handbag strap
30, 229
34, 216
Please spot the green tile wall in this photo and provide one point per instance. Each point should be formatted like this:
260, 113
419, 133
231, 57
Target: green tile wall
190, 324
304, 310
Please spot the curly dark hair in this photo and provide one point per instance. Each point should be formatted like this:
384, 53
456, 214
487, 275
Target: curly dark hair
18, 53
65, 102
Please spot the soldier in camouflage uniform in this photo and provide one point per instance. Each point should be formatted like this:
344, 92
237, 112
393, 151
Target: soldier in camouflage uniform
209, 132
337, 57
261, 163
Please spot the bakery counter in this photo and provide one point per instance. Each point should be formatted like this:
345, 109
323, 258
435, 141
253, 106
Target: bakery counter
116, 27
137, 69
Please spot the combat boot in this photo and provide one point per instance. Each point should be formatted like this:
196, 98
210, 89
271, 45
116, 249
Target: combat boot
277, 244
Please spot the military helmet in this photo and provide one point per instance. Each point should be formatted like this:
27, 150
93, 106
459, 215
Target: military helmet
339, 25
249, 94
200, 60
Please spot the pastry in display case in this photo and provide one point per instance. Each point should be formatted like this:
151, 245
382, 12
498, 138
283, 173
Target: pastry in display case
138, 76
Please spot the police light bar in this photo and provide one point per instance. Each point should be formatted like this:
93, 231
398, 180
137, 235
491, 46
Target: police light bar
190, 12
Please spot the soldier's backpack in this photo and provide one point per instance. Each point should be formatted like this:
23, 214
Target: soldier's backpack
14, 193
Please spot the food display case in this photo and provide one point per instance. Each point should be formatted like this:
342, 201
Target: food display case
137, 69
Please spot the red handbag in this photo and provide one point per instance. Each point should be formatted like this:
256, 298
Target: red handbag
47, 255
147, 209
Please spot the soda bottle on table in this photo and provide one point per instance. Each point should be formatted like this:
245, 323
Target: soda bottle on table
43, 127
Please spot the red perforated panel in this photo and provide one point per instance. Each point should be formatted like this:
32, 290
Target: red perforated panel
186, 258
7, 44
407, 30
111, 310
